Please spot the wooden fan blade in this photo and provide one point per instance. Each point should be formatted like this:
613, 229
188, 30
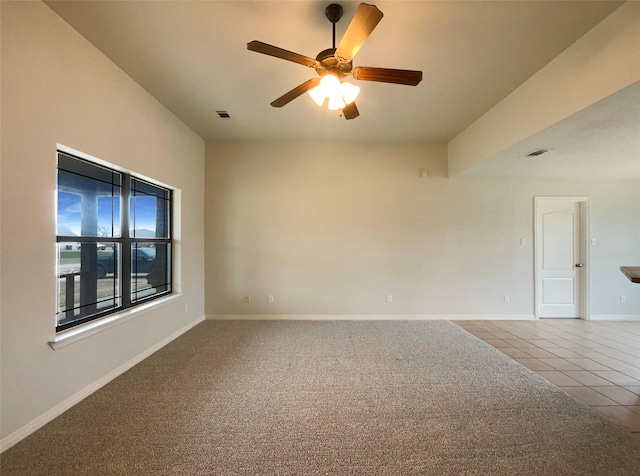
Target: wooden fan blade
350, 111
295, 92
363, 23
386, 75
265, 49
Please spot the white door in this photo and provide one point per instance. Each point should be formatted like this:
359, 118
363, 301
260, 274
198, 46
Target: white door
559, 269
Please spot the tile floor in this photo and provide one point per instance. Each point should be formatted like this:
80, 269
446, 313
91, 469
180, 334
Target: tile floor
598, 362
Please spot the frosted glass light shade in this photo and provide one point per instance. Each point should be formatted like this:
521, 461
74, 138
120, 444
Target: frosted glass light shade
349, 92
335, 101
329, 84
338, 93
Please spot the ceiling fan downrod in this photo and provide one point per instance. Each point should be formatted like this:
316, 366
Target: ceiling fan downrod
333, 13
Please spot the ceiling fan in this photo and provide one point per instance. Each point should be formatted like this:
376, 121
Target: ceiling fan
333, 64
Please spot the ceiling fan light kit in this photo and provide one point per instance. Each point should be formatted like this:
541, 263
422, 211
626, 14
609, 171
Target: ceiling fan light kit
337, 93
333, 64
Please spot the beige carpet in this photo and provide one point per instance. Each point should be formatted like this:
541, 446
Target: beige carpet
337, 397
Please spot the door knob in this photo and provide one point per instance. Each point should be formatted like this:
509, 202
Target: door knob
578, 265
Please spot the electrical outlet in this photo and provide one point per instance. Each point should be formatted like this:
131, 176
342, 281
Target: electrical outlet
623, 299
247, 299
506, 299
270, 298
389, 298
186, 306
523, 242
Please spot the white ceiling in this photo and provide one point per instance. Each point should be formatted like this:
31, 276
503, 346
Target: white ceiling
192, 56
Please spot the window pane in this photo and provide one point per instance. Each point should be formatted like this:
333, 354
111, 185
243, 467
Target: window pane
91, 272
88, 199
150, 270
87, 280
68, 212
149, 210
109, 215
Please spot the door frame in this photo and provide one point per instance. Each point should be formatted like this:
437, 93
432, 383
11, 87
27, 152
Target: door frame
583, 303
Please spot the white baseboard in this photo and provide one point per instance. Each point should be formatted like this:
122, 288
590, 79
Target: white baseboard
373, 317
622, 317
37, 423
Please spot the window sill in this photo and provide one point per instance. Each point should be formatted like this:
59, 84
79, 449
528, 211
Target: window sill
78, 333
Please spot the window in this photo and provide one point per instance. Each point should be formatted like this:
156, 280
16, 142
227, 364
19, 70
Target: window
114, 241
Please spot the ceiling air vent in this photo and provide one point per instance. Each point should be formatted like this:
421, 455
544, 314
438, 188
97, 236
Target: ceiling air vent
536, 153
223, 114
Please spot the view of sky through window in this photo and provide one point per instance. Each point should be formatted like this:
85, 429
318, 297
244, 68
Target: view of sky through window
143, 215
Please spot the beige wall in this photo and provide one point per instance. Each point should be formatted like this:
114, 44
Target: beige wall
332, 229
57, 88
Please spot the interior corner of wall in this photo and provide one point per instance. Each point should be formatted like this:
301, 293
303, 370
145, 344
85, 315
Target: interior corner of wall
443, 160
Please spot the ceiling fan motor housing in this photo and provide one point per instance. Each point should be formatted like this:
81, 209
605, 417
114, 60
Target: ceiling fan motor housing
330, 64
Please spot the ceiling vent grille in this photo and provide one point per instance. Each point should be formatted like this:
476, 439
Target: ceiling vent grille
223, 114
536, 153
